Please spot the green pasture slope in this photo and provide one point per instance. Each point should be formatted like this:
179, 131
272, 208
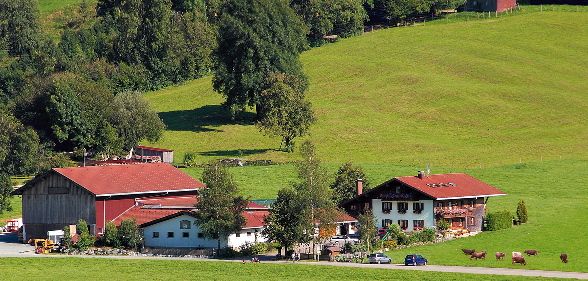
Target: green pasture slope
99, 269
464, 94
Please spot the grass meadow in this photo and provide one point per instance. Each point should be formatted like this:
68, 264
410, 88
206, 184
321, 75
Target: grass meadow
99, 269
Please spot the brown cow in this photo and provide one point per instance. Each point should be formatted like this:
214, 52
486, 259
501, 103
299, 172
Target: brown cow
478, 255
563, 257
499, 255
531, 252
468, 252
520, 260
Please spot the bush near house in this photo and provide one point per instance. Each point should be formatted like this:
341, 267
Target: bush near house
499, 220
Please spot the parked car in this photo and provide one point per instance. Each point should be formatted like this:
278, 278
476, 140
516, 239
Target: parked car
379, 258
415, 260
342, 239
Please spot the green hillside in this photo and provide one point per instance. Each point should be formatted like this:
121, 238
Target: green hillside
485, 92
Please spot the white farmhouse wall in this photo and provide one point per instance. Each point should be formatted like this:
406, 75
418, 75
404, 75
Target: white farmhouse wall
427, 215
173, 225
252, 235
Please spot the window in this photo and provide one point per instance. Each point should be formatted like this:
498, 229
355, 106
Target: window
238, 234
417, 207
403, 224
366, 206
472, 221
156, 234
170, 234
418, 224
386, 207
185, 224
386, 223
185, 234
200, 235
248, 233
402, 207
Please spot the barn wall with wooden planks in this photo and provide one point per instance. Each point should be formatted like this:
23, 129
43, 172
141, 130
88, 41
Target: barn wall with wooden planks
54, 202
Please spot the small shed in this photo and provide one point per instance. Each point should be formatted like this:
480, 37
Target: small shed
154, 154
490, 5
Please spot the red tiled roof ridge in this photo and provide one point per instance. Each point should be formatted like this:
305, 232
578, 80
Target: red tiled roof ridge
463, 186
130, 179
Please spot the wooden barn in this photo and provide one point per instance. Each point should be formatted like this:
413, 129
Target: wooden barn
153, 154
97, 194
489, 5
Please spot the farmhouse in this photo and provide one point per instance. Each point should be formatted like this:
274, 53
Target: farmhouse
179, 229
97, 194
417, 202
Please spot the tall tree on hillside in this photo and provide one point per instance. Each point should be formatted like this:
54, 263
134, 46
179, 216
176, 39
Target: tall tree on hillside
345, 185
255, 39
287, 221
19, 25
367, 228
220, 208
314, 189
19, 146
134, 119
285, 113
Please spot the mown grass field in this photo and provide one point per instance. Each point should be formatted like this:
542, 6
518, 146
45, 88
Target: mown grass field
490, 92
99, 269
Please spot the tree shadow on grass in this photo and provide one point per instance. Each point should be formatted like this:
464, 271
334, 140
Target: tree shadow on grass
203, 119
235, 153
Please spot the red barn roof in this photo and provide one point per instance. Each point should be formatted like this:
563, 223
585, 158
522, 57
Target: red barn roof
254, 219
143, 216
145, 178
448, 186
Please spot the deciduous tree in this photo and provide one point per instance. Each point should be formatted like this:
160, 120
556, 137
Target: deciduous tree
345, 185
367, 228
255, 39
219, 209
284, 112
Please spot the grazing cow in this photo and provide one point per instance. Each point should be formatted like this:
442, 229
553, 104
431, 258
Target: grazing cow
478, 255
520, 260
468, 252
563, 257
516, 254
531, 252
499, 255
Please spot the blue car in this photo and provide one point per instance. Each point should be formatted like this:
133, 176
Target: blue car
415, 260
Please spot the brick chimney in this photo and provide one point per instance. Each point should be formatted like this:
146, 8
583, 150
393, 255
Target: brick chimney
359, 186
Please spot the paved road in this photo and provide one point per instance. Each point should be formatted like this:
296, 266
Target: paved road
10, 248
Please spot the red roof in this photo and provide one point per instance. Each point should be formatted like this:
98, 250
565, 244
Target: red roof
130, 179
188, 201
154, 148
142, 215
253, 205
254, 219
447, 186
345, 217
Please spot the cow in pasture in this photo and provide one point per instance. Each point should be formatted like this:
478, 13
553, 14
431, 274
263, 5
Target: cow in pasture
499, 255
516, 254
563, 257
478, 255
468, 252
520, 260
531, 252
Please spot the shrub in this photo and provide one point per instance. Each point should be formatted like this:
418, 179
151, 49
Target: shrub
253, 249
389, 244
499, 220
128, 234
85, 240
522, 212
66, 240
442, 225
190, 159
110, 237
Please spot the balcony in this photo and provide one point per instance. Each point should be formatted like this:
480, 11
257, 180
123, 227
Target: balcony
449, 212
